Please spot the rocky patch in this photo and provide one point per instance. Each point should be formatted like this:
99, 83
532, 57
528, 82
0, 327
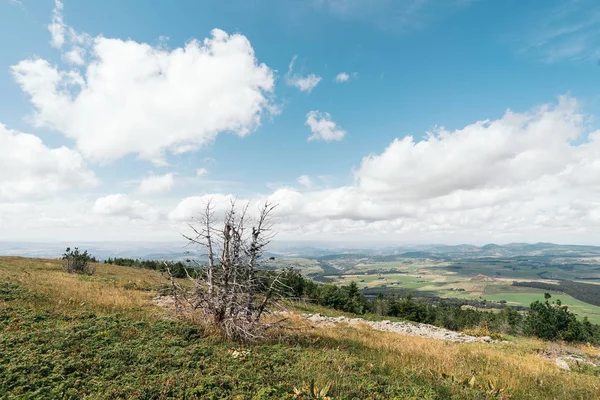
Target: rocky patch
404, 328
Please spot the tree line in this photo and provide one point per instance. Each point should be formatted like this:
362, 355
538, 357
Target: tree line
178, 269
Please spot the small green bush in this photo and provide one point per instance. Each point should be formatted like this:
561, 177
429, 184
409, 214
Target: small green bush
75, 262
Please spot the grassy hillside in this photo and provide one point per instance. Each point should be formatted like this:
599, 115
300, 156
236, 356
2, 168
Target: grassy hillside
67, 336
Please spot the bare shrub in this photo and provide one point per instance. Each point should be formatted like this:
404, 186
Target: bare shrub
230, 290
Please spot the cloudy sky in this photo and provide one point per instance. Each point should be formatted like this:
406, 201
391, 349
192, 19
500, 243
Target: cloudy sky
406, 121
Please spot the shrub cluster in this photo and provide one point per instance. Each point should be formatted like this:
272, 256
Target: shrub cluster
76, 262
553, 321
178, 269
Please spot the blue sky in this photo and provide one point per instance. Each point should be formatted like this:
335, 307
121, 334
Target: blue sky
350, 170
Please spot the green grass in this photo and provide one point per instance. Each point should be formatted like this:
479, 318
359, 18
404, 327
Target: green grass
90, 354
99, 337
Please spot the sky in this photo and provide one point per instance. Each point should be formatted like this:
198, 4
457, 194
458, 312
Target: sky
407, 121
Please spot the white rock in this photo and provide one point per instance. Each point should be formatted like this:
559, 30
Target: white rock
562, 364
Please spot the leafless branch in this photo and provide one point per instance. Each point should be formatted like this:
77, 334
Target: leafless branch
228, 283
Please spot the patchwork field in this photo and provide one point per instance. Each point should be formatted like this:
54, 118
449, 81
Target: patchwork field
489, 280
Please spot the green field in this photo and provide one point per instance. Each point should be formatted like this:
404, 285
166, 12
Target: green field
436, 278
580, 308
307, 266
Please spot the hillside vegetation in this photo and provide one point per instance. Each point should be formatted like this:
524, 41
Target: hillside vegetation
101, 336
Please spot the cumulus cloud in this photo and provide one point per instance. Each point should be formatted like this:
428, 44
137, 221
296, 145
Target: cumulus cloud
75, 55
515, 149
132, 98
305, 181
342, 77
156, 184
323, 128
30, 170
121, 205
333, 204
191, 207
304, 83
526, 176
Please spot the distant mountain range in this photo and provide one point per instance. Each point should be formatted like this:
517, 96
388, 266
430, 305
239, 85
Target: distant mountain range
101, 250
179, 250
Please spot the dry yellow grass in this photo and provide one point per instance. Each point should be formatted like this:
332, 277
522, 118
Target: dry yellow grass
516, 366
111, 288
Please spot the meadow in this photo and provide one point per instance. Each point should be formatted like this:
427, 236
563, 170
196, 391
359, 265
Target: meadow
102, 336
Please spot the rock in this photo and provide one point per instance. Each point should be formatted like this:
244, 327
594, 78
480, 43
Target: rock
562, 364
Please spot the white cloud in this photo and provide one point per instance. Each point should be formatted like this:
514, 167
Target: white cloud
69, 218
517, 178
527, 176
57, 28
322, 127
72, 44
305, 181
156, 184
304, 83
75, 55
191, 207
30, 170
120, 205
515, 149
133, 98
342, 77
520, 177
200, 172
